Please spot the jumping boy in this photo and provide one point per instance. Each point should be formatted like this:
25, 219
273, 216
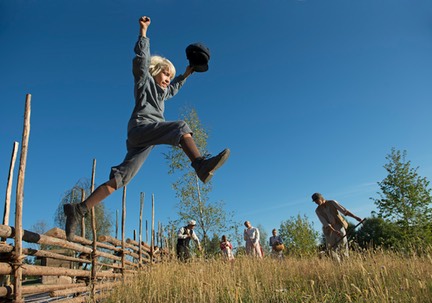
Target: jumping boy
154, 83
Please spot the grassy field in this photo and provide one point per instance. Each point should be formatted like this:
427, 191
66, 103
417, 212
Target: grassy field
365, 277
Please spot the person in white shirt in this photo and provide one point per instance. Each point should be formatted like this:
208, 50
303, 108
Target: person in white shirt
252, 236
184, 235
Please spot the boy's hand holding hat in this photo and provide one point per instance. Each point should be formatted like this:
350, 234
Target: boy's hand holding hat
198, 55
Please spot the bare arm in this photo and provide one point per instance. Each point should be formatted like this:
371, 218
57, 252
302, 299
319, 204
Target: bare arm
348, 213
344, 210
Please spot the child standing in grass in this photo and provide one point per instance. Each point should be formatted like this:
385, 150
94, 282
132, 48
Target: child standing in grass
226, 248
155, 82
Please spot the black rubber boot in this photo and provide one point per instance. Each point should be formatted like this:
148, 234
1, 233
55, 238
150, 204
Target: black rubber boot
206, 166
74, 213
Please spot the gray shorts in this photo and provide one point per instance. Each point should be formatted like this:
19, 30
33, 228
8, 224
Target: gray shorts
141, 141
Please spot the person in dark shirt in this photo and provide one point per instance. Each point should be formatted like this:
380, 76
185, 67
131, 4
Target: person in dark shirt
184, 235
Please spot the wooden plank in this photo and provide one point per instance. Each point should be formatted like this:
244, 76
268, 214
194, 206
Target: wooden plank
6, 291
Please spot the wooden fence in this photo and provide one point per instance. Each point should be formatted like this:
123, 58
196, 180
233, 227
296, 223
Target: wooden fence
85, 270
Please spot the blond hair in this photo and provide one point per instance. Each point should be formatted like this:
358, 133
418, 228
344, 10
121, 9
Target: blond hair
158, 64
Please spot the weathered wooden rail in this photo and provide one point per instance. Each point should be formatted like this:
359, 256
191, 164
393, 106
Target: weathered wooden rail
92, 268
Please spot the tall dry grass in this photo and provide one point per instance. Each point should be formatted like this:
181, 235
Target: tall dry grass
377, 277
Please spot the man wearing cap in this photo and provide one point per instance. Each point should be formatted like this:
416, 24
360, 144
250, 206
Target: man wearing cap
334, 225
184, 235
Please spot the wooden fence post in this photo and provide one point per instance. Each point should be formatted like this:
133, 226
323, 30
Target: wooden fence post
19, 204
152, 231
116, 226
9, 185
93, 176
83, 218
5, 280
123, 258
93, 255
142, 196
94, 246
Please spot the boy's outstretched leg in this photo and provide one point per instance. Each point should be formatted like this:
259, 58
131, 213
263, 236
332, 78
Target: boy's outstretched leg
74, 212
204, 166
189, 147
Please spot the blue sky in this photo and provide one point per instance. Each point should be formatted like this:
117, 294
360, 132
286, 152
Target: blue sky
308, 95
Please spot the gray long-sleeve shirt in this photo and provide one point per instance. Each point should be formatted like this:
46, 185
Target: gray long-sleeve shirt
149, 97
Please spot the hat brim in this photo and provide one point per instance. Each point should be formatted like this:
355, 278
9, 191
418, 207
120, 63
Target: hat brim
200, 68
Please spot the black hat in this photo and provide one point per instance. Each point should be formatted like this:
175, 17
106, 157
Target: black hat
317, 196
198, 55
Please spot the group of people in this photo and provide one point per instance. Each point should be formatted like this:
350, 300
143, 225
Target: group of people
328, 212
186, 233
251, 236
154, 83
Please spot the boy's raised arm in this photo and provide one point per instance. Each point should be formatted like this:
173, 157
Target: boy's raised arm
144, 22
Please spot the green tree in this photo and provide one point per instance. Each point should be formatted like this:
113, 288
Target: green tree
235, 235
40, 227
193, 198
264, 238
377, 232
405, 200
299, 236
213, 246
104, 221
171, 230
